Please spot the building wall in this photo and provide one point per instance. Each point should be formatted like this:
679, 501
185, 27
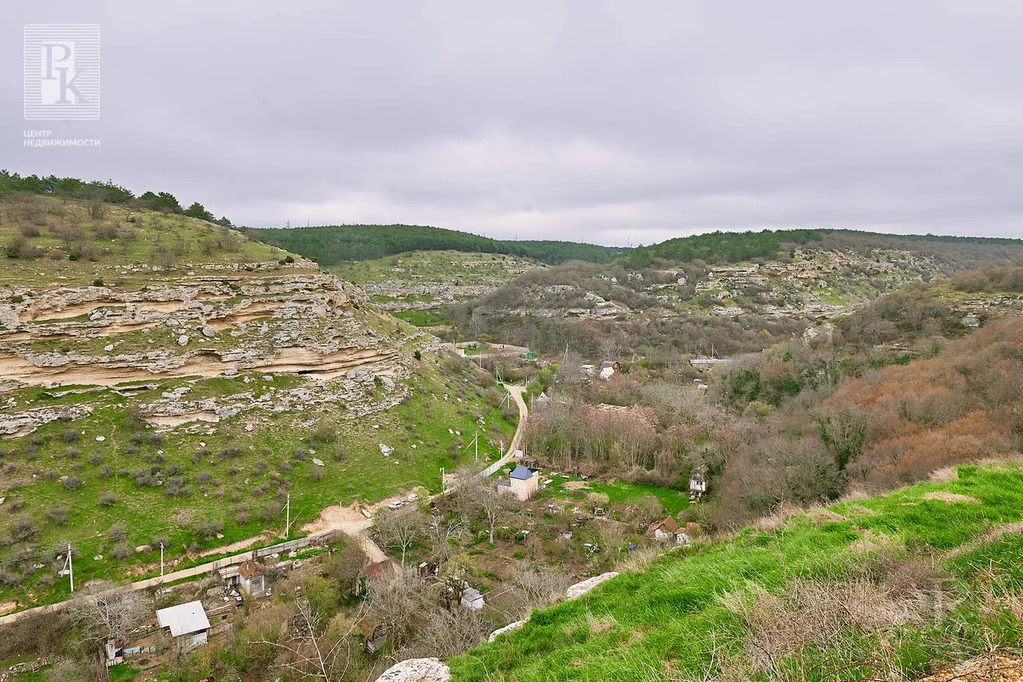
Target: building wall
525, 489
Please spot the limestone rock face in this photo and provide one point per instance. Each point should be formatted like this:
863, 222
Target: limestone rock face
417, 670
203, 325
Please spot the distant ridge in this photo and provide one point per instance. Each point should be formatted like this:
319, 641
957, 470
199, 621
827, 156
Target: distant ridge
333, 244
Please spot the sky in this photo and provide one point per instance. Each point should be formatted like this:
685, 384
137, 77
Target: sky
608, 122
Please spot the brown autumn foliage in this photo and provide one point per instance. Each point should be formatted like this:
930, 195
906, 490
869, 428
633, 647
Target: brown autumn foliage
960, 406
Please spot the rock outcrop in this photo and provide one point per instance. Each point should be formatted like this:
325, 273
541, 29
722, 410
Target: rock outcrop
417, 670
203, 325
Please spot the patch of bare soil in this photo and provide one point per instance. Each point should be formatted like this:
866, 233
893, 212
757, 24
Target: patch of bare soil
988, 668
575, 485
951, 498
235, 546
8, 606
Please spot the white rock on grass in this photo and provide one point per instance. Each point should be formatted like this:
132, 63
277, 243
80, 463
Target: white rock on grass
417, 670
100, 439
507, 628
386, 450
579, 589
183, 340
208, 331
317, 462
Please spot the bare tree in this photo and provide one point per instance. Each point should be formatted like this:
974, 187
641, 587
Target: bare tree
478, 494
316, 651
400, 604
540, 585
401, 528
441, 532
611, 348
104, 612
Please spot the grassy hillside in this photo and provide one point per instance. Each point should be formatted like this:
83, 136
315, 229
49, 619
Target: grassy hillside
333, 244
49, 241
889, 587
734, 247
163, 378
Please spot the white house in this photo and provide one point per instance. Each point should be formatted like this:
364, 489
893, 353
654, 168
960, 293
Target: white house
187, 623
664, 530
522, 483
252, 579
698, 483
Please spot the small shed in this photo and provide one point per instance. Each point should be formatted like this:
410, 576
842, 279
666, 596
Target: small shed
522, 483
373, 632
252, 579
187, 623
472, 599
608, 369
663, 530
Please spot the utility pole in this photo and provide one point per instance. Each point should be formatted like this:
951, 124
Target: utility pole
70, 567
161, 559
476, 442
287, 523
442, 480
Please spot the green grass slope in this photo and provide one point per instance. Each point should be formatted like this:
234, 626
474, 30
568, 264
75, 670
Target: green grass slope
890, 587
333, 244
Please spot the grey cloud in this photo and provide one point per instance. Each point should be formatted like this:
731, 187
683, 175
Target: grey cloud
607, 122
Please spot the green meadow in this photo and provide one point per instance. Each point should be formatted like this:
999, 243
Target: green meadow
716, 608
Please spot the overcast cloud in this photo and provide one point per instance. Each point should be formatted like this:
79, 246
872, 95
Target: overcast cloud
602, 122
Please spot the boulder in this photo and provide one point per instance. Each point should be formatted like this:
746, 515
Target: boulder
183, 340
507, 628
417, 670
579, 589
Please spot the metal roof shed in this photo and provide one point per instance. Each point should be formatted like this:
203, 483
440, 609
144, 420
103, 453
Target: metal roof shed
184, 619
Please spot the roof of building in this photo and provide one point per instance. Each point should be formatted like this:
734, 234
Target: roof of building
379, 571
522, 473
250, 569
668, 525
184, 619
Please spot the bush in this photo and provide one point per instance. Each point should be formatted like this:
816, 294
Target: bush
117, 532
58, 515
209, 528
175, 486
72, 483
24, 529
107, 498
122, 550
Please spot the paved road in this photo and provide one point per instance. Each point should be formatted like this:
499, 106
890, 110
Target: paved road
348, 520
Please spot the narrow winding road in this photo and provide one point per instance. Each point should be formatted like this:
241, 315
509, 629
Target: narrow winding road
349, 520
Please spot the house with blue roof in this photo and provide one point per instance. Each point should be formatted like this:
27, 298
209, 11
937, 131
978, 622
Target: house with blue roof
522, 483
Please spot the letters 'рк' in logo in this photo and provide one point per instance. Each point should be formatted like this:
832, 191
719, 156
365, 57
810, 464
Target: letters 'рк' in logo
61, 72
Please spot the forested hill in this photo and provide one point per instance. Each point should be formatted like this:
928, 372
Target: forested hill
333, 244
734, 247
